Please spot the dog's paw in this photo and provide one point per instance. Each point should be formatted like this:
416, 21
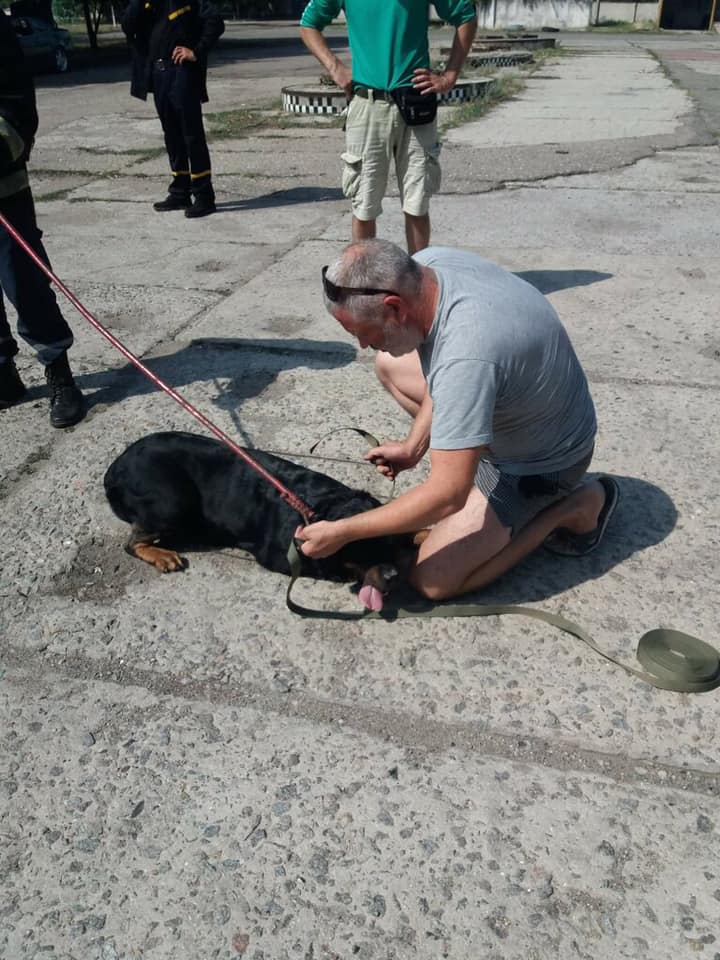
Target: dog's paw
167, 561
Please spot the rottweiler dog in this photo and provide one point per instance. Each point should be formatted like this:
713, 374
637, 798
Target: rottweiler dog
180, 490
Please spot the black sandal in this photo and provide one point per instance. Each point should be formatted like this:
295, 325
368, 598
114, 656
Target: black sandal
565, 543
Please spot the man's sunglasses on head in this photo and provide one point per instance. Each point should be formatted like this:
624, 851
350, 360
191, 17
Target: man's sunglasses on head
334, 293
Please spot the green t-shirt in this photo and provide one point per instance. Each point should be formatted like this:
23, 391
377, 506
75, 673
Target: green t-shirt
388, 38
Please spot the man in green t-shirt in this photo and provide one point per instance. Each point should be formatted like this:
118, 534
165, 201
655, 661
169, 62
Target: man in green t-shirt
390, 61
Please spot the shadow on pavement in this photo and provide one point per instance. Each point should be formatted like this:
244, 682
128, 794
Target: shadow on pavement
548, 281
246, 367
283, 198
644, 517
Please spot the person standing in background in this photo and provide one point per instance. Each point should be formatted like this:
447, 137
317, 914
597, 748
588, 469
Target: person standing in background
170, 40
391, 118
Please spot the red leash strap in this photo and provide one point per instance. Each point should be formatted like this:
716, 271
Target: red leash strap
292, 499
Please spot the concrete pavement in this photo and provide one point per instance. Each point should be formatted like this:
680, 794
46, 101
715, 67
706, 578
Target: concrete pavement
189, 771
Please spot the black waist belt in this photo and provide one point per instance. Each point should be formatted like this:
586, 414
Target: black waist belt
163, 65
371, 93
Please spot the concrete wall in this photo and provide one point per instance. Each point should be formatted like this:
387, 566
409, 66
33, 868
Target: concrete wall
631, 12
540, 13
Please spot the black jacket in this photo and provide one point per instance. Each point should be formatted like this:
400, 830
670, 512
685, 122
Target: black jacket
189, 23
17, 109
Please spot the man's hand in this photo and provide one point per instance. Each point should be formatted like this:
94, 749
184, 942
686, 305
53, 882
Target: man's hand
393, 457
425, 81
342, 76
183, 55
321, 539
317, 45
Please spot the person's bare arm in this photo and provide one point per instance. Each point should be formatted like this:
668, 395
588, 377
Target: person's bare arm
317, 45
425, 81
392, 457
452, 473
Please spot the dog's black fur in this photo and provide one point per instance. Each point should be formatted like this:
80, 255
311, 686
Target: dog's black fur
182, 489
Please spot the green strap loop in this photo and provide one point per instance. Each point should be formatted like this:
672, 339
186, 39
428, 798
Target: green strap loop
368, 437
371, 441
672, 660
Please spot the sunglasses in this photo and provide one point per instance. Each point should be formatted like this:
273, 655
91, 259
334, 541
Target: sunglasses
334, 293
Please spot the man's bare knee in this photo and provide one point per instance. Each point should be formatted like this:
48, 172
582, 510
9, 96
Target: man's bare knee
431, 590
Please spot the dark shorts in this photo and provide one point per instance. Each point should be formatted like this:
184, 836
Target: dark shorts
516, 500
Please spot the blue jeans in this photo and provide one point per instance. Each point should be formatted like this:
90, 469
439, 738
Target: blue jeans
40, 322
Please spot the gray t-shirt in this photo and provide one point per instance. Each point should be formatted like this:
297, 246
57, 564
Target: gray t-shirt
501, 370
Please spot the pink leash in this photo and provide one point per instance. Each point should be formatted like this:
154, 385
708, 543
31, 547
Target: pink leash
292, 499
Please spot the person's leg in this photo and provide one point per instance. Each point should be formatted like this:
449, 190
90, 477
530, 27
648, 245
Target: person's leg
12, 389
363, 229
403, 379
366, 162
178, 197
418, 171
456, 547
472, 548
40, 322
188, 107
8, 343
417, 232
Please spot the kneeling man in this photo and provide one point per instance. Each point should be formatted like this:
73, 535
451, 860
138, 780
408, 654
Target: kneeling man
481, 362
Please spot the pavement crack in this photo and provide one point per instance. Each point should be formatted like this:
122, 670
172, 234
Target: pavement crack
594, 377
420, 736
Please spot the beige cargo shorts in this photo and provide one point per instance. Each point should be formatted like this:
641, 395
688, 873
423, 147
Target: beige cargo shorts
376, 136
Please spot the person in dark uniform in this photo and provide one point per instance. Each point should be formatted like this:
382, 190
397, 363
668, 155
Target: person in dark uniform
39, 320
170, 40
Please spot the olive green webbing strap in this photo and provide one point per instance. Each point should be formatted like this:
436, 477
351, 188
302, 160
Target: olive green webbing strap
371, 440
368, 437
672, 660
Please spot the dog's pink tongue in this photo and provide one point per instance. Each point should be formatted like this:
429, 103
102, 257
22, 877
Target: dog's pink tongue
371, 597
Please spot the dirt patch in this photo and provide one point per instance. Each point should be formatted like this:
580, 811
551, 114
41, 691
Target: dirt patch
211, 266
712, 350
286, 325
101, 572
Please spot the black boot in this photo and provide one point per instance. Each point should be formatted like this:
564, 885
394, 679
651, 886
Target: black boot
201, 207
67, 404
12, 389
172, 203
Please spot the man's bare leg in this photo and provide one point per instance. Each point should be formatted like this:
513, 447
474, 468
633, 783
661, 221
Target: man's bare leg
363, 229
403, 379
417, 232
472, 548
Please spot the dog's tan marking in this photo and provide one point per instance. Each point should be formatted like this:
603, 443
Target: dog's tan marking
166, 561
143, 546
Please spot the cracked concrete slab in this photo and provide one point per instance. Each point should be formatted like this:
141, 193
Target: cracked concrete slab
613, 98
544, 859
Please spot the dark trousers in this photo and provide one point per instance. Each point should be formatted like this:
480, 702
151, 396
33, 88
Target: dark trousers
177, 101
40, 322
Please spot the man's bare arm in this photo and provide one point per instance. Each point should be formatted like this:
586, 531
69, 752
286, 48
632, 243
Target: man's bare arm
428, 82
445, 491
396, 455
317, 45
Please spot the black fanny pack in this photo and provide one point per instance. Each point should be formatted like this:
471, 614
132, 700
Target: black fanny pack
415, 108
